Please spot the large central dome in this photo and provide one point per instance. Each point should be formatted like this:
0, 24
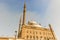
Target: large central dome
33, 23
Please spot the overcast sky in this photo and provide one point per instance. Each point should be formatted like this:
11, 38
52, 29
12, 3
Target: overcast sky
42, 11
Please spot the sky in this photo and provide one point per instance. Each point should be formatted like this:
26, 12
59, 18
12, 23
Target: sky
42, 11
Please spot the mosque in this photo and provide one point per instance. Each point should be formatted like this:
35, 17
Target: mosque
32, 30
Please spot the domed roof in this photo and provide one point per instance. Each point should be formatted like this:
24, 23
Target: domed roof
32, 22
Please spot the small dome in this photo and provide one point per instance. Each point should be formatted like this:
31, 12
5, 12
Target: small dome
32, 22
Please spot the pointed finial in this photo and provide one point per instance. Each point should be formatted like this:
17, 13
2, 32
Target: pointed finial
49, 25
24, 13
25, 4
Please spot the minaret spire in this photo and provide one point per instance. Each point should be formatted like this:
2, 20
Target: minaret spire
20, 25
22, 20
24, 14
52, 31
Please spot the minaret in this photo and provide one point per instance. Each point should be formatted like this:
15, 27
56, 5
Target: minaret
20, 25
22, 22
24, 14
52, 31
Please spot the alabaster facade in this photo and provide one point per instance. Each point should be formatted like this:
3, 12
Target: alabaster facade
29, 32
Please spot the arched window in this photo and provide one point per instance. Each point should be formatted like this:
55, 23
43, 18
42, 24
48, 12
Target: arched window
37, 37
44, 38
30, 37
27, 36
30, 31
40, 33
47, 38
27, 31
40, 37
34, 37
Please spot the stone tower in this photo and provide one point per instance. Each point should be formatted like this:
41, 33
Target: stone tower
22, 22
24, 14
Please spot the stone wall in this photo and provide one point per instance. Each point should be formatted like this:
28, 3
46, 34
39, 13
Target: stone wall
10, 39
4, 39
16, 39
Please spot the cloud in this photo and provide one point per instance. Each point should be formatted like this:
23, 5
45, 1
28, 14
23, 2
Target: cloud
53, 16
